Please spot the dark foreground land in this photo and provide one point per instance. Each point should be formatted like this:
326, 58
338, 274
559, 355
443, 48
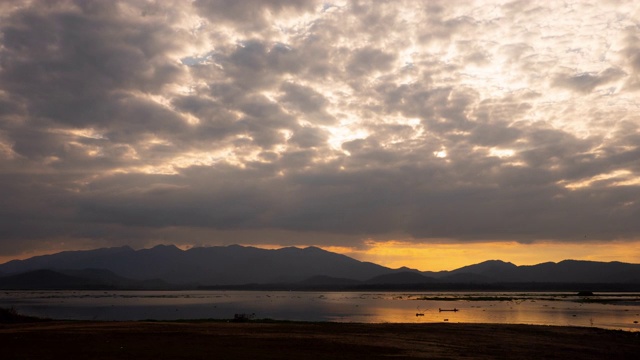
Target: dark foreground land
254, 340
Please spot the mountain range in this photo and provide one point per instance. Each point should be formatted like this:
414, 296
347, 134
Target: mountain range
166, 266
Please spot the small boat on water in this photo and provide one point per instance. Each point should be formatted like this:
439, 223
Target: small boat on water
454, 310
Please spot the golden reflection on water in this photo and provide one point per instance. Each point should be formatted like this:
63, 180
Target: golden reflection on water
532, 311
531, 308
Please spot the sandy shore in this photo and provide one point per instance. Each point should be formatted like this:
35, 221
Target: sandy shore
220, 340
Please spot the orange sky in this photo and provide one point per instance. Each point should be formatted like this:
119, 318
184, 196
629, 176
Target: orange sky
436, 257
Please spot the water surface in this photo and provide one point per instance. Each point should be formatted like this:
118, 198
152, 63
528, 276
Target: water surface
615, 311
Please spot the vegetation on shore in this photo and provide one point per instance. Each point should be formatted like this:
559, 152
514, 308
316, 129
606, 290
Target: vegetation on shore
11, 316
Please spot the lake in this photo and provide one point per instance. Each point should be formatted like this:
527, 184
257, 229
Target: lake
611, 311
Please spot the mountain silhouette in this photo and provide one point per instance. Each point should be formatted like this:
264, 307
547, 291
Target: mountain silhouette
566, 271
45, 279
207, 265
322, 280
404, 277
166, 265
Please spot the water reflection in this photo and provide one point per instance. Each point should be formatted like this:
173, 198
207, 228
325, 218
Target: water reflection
618, 311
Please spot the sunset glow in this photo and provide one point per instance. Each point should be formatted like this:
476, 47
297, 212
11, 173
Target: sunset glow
437, 257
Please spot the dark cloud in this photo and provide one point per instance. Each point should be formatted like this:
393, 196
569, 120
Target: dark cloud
253, 64
586, 82
307, 102
250, 15
366, 60
67, 62
307, 137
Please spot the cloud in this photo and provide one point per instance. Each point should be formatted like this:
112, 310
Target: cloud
67, 62
252, 14
586, 82
307, 102
363, 61
301, 122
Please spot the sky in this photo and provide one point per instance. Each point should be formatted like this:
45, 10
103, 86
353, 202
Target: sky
431, 134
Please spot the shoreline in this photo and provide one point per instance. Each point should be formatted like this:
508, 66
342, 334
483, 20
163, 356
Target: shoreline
309, 340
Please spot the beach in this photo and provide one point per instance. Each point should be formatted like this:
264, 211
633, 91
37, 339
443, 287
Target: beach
300, 340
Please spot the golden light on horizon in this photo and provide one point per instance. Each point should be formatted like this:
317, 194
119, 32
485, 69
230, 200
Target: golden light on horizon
450, 256
443, 256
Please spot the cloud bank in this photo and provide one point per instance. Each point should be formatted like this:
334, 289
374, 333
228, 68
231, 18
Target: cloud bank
301, 122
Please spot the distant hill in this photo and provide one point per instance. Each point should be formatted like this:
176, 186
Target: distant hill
322, 280
207, 265
75, 279
84, 259
43, 279
288, 268
405, 277
567, 271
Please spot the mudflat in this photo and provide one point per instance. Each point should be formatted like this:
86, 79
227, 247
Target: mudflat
255, 340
